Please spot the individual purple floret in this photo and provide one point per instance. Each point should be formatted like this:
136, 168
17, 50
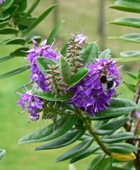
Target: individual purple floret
80, 39
93, 94
30, 103
1, 1
137, 114
42, 50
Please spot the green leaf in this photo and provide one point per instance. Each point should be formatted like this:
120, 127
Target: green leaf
133, 76
4, 16
106, 164
133, 53
8, 30
106, 54
63, 51
51, 131
131, 87
14, 72
43, 63
127, 5
111, 126
118, 168
51, 97
95, 164
6, 5
2, 59
65, 69
32, 7
19, 52
15, 40
133, 37
118, 107
81, 147
2, 153
36, 38
25, 21
118, 137
54, 32
123, 148
4, 23
89, 52
39, 19
125, 21
80, 74
84, 154
66, 139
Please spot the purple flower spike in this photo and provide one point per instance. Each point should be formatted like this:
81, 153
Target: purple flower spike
94, 92
42, 50
80, 39
30, 103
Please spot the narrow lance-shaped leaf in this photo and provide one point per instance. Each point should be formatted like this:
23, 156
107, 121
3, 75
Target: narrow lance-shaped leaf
33, 6
43, 64
95, 164
14, 72
2, 153
66, 139
54, 32
81, 147
65, 69
110, 127
118, 107
106, 54
126, 21
84, 154
39, 19
118, 137
51, 131
52, 97
89, 52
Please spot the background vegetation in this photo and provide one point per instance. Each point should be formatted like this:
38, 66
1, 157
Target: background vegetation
77, 15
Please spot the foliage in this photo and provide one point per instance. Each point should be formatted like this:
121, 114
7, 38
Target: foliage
76, 89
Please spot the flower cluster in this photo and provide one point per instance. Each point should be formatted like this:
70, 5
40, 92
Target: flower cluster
91, 94
30, 103
42, 50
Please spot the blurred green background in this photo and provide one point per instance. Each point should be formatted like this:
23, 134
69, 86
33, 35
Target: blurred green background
77, 14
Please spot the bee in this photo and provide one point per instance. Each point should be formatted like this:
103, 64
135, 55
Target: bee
107, 82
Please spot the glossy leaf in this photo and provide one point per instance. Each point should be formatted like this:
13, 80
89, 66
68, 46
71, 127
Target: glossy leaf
43, 63
80, 74
84, 154
8, 30
118, 107
2, 153
133, 76
106, 164
131, 87
111, 126
54, 32
32, 7
2, 59
65, 69
14, 72
52, 97
25, 21
66, 139
36, 38
6, 5
50, 132
4, 16
133, 53
133, 37
127, 5
106, 54
124, 148
118, 137
95, 164
119, 168
81, 147
39, 19
89, 52
63, 51
130, 22
19, 52
15, 40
